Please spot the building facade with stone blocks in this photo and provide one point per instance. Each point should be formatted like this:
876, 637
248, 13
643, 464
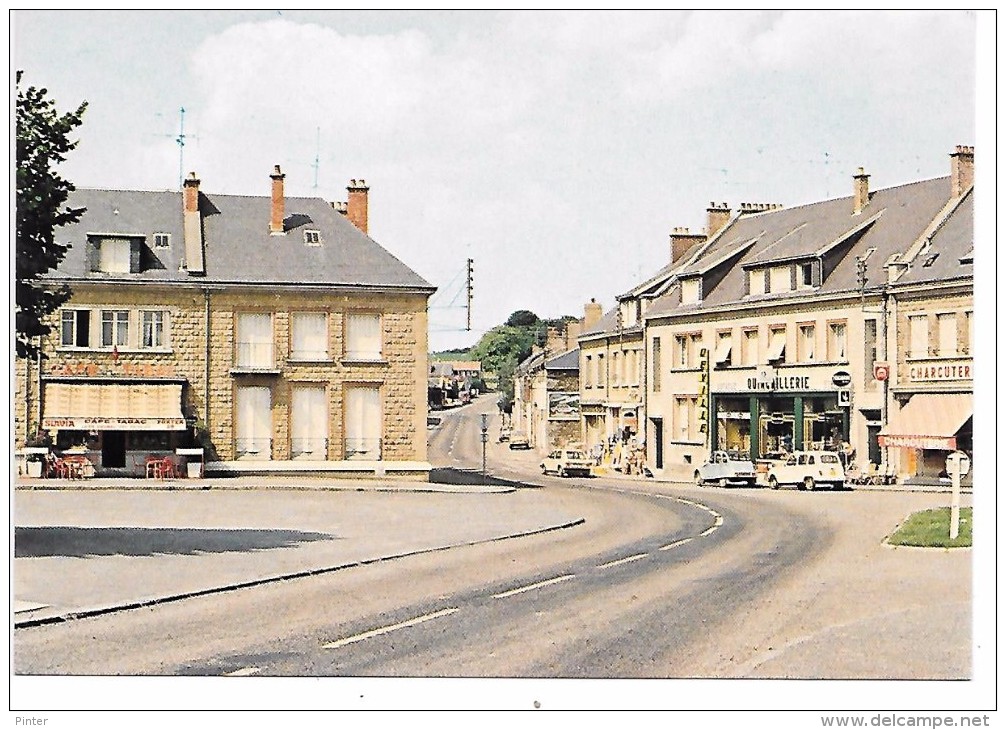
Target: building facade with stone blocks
613, 362
768, 339
272, 332
546, 395
931, 380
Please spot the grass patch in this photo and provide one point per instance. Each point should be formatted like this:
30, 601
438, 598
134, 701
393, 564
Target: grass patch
931, 528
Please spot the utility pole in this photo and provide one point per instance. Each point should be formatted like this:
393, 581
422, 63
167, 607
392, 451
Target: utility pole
471, 263
485, 437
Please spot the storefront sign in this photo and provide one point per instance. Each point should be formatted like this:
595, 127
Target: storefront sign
881, 370
86, 368
930, 372
841, 379
781, 382
938, 443
102, 423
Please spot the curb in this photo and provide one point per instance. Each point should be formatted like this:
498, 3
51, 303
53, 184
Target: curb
144, 603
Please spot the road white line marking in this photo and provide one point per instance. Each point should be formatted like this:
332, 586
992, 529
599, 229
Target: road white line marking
623, 560
243, 672
389, 629
719, 520
531, 587
708, 531
676, 543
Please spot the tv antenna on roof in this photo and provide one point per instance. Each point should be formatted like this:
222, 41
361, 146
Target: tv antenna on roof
317, 156
180, 141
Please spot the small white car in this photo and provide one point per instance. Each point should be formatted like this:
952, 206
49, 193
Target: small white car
807, 469
724, 469
567, 463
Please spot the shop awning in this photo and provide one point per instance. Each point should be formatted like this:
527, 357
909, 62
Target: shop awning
113, 407
929, 421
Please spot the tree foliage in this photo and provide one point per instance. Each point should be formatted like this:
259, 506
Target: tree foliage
522, 318
43, 142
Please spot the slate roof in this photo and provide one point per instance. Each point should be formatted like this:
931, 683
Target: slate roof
569, 360
237, 244
896, 218
950, 254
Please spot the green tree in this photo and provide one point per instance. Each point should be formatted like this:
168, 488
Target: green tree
522, 318
42, 142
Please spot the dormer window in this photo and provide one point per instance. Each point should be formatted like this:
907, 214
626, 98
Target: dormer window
312, 238
114, 254
162, 240
691, 290
806, 275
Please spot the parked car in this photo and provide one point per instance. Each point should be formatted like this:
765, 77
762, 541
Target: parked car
807, 469
725, 468
567, 463
519, 440
505, 432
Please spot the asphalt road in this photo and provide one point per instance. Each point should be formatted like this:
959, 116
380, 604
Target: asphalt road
659, 580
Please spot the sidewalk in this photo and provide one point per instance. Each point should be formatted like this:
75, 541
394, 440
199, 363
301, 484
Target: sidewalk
93, 547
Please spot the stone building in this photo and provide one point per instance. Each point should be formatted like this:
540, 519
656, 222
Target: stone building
271, 330
931, 310
613, 360
768, 337
546, 393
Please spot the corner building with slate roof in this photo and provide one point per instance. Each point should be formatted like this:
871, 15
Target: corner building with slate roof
272, 331
777, 332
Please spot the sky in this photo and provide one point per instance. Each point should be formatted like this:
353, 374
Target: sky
556, 149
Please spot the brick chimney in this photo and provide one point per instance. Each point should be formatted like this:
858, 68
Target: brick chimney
718, 217
592, 313
278, 204
356, 206
860, 191
962, 170
682, 240
192, 227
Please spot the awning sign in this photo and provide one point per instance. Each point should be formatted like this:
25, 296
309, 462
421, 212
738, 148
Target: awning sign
937, 443
112, 407
99, 423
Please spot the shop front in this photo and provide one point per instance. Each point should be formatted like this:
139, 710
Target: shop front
117, 426
927, 428
767, 414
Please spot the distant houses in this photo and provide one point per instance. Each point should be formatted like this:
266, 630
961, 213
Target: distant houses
453, 382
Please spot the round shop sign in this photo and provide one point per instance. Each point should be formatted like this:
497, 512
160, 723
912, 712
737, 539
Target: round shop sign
841, 379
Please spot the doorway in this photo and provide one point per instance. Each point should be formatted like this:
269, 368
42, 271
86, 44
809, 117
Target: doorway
113, 450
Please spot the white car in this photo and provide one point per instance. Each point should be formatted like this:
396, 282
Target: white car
567, 462
724, 468
807, 469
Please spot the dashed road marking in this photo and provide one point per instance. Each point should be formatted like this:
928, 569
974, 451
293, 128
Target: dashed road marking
389, 629
676, 543
243, 672
621, 561
541, 584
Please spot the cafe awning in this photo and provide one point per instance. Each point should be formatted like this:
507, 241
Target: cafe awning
928, 421
113, 407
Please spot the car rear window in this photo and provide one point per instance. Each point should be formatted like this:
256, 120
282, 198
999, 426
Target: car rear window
574, 454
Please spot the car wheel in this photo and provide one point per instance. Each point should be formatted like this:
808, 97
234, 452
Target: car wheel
698, 480
840, 486
543, 469
724, 482
773, 482
808, 484
561, 472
